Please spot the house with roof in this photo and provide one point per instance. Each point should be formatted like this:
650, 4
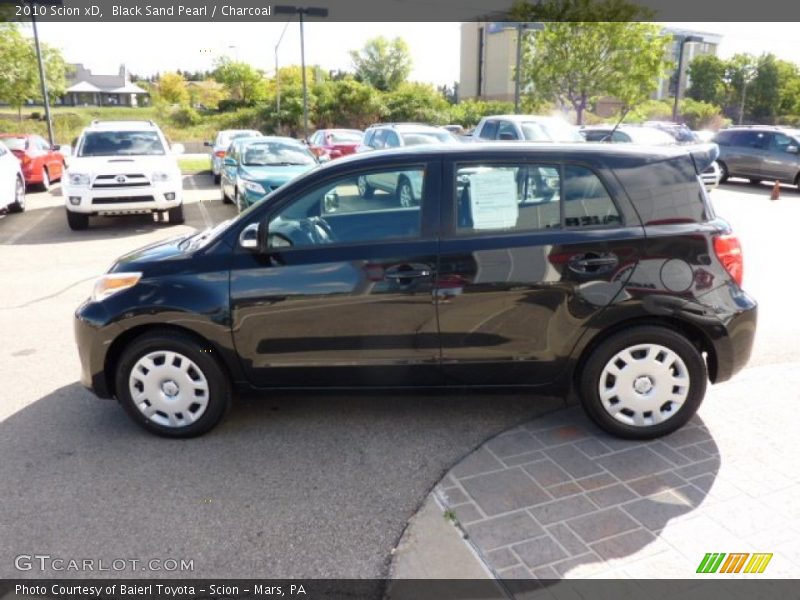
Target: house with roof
85, 88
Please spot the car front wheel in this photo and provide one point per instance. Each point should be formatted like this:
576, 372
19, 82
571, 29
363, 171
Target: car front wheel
405, 193
172, 385
77, 221
18, 205
643, 383
176, 215
45, 185
365, 190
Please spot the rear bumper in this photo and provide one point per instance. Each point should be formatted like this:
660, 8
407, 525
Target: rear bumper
735, 343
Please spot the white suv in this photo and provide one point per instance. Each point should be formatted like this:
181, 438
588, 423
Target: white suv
122, 168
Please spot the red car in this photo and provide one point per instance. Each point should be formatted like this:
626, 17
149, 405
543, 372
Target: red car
334, 142
41, 163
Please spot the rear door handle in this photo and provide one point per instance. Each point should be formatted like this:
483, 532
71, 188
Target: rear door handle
408, 271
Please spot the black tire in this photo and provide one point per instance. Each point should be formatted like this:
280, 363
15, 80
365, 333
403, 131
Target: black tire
755, 181
590, 380
176, 215
18, 205
724, 174
217, 179
365, 190
219, 389
225, 199
45, 184
77, 221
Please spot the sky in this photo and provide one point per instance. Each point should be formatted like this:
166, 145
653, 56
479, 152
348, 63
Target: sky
434, 47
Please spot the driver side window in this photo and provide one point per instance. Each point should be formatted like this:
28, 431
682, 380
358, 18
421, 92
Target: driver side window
371, 206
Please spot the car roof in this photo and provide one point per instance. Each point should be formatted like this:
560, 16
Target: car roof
267, 138
123, 126
625, 153
525, 118
407, 126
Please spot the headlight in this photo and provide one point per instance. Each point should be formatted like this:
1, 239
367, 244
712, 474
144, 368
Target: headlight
161, 176
254, 187
77, 179
112, 283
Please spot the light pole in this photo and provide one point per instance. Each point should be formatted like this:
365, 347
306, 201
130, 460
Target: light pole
747, 75
278, 77
42, 79
310, 11
521, 28
684, 40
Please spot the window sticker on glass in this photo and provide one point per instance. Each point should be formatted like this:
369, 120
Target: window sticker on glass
493, 199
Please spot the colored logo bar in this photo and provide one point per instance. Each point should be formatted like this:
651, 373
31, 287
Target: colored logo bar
716, 562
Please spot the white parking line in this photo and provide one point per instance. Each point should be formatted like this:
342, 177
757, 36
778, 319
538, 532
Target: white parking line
13, 239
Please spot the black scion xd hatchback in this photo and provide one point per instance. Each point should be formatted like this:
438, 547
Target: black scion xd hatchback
539, 266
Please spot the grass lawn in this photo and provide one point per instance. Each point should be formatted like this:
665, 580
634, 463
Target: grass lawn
190, 166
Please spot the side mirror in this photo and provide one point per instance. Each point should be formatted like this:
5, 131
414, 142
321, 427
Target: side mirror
249, 237
178, 149
323, 158
792, 149
229, 162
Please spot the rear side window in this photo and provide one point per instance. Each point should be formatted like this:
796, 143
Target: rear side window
530, 197
723, 138
665, 192
489, 130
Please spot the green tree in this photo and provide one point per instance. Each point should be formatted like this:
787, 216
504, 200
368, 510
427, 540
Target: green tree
172, 88
347, 103
244, 83
707, 76
383, 63
574, 62
580, 10
206, 94
417, 102
19, 74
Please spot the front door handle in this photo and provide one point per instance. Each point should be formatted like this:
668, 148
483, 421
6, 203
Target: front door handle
593, 263
408, 271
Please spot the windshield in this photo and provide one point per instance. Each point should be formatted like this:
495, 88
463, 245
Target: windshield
13, 143
416, 138
121, 143
226, 137
262, 154
550, 131
343, 137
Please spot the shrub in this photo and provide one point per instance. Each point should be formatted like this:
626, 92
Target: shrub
185, 116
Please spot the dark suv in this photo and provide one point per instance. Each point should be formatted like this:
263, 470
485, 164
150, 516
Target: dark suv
533, 266
759, 153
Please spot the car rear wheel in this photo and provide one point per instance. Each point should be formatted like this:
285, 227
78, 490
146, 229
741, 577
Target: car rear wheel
755, 181
643, 383
217, 179
365, 190
405, 193
723, 172
77, 221
18, 205
225, 199
176, 215
45, 185
172, 385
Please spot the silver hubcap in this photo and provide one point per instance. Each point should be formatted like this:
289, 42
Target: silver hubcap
644, 385
168, 389
406, 196
362, 186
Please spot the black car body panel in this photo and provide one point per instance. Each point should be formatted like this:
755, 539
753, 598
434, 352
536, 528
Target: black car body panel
509, 309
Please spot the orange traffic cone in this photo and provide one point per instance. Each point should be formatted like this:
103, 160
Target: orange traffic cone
776, 191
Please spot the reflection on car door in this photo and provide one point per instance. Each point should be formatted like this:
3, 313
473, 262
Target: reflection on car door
350, 301
517, 283
778, 163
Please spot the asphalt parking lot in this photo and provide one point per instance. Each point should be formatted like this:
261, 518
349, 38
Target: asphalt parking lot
290, 485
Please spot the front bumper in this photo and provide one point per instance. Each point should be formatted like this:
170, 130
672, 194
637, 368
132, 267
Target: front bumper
94, 336
127, 200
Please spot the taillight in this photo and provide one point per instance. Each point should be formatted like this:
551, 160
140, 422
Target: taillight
729, 252
220, 153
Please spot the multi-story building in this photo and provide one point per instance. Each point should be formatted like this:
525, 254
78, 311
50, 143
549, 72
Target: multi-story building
488, 59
